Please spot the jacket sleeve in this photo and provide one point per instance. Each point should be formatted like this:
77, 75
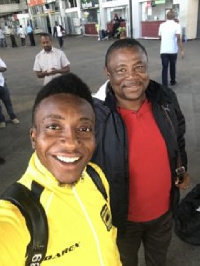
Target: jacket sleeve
14, 235
181, 129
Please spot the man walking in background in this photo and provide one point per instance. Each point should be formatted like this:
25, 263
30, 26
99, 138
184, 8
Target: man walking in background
50, 62
58, 32
22, 35
29, 31
5, 98
170, 35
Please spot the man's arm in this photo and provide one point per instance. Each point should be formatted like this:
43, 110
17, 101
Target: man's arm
63, 70
180, 44
3, 66
3, 69
53, 71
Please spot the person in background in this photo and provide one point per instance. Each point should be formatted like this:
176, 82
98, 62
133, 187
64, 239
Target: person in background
5, 98
140, 132
2, 38
12, 37
79, 218
29, 31
170, 35
50, 62
22, 35
116, 25
58, 32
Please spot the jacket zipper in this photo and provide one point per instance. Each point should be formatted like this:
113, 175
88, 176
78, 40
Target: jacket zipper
90, 224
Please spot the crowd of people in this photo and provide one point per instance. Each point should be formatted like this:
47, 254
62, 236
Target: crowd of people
15, 32
130, 125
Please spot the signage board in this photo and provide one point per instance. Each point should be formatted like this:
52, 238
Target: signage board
36, 2
85, 4
158, 2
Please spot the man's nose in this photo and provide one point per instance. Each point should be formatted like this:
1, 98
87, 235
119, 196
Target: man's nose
69, 137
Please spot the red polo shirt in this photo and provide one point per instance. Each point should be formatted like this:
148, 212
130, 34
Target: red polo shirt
149, 169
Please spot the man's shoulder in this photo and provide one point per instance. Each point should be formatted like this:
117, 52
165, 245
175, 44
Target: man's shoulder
160, 92
38, 55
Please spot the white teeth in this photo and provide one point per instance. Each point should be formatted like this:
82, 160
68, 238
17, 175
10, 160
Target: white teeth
68, 159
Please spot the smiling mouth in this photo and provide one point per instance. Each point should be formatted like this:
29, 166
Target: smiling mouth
67, 159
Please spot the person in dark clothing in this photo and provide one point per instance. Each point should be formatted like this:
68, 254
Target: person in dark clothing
29, 31
139, 133
58, 32
12, 37
116, 25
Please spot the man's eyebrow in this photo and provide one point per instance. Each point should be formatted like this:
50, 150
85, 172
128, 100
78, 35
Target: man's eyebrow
54, 116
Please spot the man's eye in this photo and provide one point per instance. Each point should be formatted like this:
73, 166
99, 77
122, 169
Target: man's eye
140, 68
53, 127
121, 70
85, 129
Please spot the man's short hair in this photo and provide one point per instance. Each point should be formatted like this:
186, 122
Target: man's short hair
69, 84
123, 43
46, 35
171, 15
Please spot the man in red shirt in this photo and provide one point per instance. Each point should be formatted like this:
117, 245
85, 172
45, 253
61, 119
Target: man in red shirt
140, 134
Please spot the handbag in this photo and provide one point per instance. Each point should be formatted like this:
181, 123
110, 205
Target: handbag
187, 217
187, 213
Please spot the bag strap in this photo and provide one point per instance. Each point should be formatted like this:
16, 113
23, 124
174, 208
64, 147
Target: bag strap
97, 180
29, 205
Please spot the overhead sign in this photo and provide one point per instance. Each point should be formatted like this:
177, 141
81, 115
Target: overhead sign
89, 3
157, 2
36, 2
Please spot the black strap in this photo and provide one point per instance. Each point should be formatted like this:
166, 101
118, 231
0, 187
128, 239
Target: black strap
28, 203
97, 180
36, 219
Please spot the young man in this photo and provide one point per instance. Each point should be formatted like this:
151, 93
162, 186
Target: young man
137, 148
5, 98
170, 35
58, 31
50, 62
79, 218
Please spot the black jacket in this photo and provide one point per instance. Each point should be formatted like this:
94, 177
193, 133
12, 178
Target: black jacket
111, 150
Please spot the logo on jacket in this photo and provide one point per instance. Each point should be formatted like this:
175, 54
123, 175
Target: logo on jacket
63, 252
106, 217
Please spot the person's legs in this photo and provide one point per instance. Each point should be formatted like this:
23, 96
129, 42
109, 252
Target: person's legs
32, 39
156, 240
2, 117
60, 41
5, 97
130, 244
165, 63
173, 59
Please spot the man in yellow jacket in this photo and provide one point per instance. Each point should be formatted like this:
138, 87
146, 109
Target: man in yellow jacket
79, 219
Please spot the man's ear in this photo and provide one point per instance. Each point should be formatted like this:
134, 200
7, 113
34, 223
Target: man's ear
106, 72
33, 135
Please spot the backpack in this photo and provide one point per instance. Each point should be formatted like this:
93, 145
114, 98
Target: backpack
28, 202
187, 217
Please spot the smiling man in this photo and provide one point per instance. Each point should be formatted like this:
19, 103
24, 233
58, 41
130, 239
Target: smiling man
79, 218
137, 148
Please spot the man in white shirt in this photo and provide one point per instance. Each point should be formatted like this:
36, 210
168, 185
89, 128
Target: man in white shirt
5, 98
170, 35
50, 62
58, 31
